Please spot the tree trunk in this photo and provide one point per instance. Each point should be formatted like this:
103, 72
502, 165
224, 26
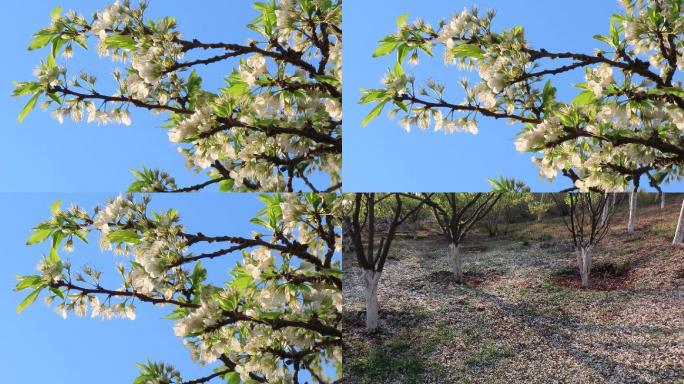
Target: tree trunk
631, 224
606, 210
370, 292
456, 262
347, 244
584, 261
662, 200
540, 214
414, 231
679, 233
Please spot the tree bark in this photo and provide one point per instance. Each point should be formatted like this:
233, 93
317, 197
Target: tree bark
540, 214
347, 244
631, 224
414, 230
662, 200
584, 260
679, 233
456, 262
370, 292
606, 209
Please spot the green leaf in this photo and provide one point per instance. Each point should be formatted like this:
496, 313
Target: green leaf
50, 62
241, 279
328, 80
468, 50
199, 273
124, 236
57, 237
401, 20
26, 88
56, 13
55, 207
584, 98
372, 95
28, 107
270, 315
604, 39
232, 378
332, 272
55, 98
548, 94
237, 89
57, 44
38, 236
373, 114
243, 282
398, 70
385, 48
314, 199
120, 42
402, 52
230, 303
40, 40
30, 281
194, 84
226, 185
81, 235
667, 90
177, 314
614, 34
401, 105
261, 222
28, 300
53, 258
58, 292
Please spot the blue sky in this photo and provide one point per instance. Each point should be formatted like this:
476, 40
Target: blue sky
382, 157
42, 347
41, 155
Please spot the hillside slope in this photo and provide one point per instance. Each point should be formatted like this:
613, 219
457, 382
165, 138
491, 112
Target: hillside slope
521, 317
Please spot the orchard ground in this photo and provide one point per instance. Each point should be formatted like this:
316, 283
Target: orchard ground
521, 316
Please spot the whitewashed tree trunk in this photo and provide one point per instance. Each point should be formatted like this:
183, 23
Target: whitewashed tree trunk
584, 260
456, 262
347, 244
540, 214
679, 233
606, 209
414, 230
631, 224
662, 200
370, 292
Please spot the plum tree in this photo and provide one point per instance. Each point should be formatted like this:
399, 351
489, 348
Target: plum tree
588, 226
361, 222
275, 123
275, 316
456, 214
628, 114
